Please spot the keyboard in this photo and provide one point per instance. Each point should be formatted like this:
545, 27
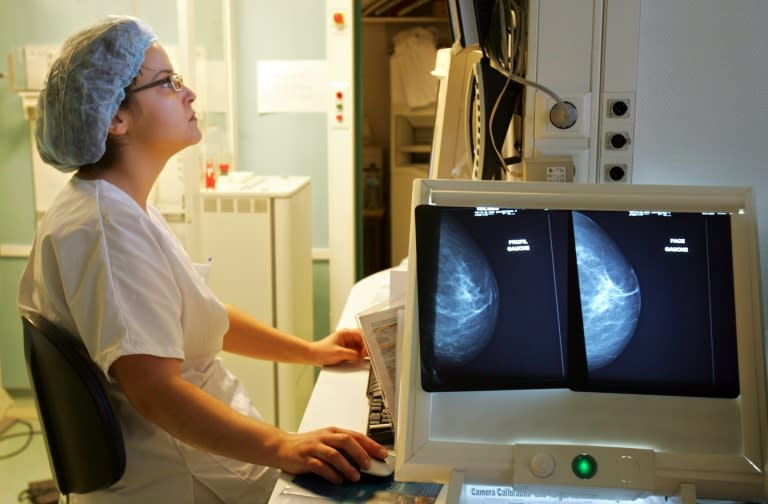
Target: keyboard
380, 427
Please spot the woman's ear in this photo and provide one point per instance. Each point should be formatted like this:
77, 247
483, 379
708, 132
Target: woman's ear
119, 124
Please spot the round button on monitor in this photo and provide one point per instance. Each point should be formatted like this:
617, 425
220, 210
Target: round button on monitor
542, 465
584, 466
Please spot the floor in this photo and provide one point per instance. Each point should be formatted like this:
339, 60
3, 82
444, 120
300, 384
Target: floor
30, 464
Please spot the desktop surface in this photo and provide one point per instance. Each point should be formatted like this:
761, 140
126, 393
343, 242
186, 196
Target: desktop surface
340, 397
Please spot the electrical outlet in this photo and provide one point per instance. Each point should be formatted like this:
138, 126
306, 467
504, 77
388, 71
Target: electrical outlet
616, 130
618, 108
556, 174
549, 169
616, 172
617, 140
579, 106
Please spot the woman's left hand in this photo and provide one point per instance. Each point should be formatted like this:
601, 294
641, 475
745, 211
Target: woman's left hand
340, 346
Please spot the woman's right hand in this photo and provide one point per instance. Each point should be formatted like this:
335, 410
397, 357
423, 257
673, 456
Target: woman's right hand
320, 452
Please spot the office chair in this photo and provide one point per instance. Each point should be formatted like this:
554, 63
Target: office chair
85, 445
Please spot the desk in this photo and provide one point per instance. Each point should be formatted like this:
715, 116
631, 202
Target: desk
339, 397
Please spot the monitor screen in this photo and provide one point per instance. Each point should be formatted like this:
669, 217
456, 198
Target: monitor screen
656, 301
653, 309
490, 287
547, 322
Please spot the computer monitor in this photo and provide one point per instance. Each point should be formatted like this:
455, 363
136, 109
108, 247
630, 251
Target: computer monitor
464, 29
484, 24
614, 327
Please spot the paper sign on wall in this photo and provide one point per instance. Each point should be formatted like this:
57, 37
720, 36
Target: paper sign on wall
292, 86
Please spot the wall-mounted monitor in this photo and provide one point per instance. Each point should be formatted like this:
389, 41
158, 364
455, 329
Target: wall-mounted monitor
464, 30
552, 327
480, 109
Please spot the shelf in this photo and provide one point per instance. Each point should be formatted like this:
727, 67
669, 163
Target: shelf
411, 147
420, 120
405, 110
373, 212
404, 20
420, 167
415, 149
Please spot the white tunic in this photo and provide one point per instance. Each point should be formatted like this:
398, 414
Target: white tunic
106, 270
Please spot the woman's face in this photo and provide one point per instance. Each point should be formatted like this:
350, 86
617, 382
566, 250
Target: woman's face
163, 119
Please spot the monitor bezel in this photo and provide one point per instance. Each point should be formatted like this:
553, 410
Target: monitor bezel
463, 22
423, 456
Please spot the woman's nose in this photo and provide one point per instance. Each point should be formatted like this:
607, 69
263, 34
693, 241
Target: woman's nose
191, 96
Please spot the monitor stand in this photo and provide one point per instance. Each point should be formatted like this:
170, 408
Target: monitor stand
455, 485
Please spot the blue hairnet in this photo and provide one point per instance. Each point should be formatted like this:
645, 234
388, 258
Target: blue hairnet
84, 89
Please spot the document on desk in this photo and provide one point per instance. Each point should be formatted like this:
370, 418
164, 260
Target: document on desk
379, 326
309, 488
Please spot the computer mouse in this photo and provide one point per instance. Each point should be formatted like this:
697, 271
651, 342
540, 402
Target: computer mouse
378, 468
381, 468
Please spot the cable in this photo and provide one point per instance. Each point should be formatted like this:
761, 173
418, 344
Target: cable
515, 34
41, 492
508, 28
521, 36
29, 434
503, 65
569, 111
536, 85
490, 126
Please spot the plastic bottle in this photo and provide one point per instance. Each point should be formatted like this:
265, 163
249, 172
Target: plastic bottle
210, 175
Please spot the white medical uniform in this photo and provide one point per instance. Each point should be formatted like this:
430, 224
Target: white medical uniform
103, 268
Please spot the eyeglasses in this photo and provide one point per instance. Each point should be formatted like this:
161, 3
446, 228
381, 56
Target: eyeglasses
175, 81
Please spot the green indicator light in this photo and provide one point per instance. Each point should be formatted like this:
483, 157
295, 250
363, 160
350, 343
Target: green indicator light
584, 466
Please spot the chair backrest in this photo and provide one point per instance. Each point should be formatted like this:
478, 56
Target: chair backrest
82, 434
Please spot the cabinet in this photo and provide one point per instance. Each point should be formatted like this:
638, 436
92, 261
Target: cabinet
410, 147
257, 231
405, 134
374, 195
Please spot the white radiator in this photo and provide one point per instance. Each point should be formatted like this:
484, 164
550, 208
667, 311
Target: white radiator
258, 233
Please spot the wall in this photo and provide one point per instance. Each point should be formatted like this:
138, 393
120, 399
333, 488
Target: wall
282, 144
285, 144
702, 100
277, 144
26, 22
702, 110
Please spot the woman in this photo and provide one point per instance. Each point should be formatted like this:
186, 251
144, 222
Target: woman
104, 265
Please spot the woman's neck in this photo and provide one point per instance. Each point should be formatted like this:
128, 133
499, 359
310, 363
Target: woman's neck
134, 176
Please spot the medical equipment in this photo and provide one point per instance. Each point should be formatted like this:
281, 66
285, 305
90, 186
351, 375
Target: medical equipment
595, 441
